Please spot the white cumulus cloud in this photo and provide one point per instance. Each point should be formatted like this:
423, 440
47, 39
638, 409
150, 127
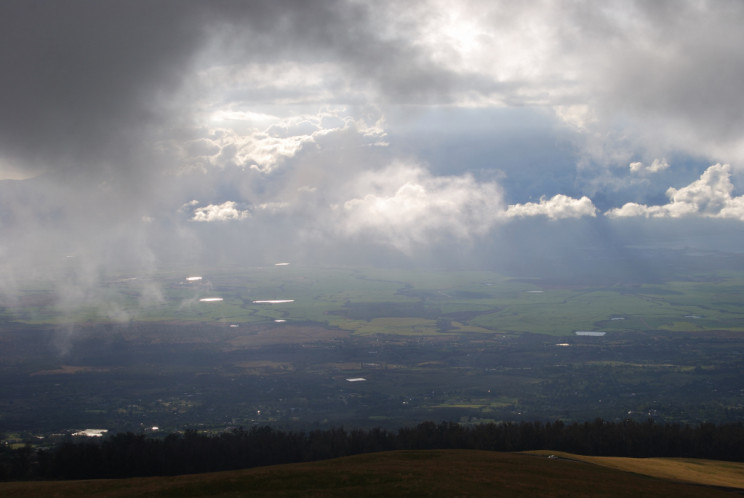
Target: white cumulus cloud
239, 139
226, 211
656, 166
557, 207
405, 204
709, 196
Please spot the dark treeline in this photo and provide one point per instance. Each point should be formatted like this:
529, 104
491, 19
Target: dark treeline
128, 454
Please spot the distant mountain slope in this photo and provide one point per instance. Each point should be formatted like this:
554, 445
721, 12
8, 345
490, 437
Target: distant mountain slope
401, 473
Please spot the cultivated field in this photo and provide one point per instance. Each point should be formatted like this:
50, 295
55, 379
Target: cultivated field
372, 301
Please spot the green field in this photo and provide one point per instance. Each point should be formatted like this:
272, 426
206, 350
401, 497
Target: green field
368, 301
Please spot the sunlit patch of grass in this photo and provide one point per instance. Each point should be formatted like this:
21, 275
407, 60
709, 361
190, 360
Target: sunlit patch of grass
695, 470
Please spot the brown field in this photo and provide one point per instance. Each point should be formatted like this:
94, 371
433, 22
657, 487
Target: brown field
346, 365
70, 369
287, 335
260, 367
443, 473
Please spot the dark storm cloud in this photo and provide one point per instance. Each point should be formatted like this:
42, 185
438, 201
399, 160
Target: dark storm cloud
84, 81
88, 82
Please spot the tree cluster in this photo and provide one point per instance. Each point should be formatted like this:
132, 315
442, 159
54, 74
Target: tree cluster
128, 454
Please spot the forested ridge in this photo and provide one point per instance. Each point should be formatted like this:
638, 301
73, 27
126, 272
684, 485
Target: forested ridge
128, 454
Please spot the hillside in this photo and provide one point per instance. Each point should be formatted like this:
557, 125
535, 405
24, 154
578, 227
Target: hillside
402, 473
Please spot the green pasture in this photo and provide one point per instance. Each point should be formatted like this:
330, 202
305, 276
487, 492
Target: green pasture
371, 301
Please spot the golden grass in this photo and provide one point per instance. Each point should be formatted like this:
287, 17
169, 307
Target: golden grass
693, 470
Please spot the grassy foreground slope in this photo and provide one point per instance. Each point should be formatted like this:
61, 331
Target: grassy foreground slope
401, 473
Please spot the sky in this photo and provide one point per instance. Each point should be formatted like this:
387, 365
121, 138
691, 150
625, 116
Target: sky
143, 135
